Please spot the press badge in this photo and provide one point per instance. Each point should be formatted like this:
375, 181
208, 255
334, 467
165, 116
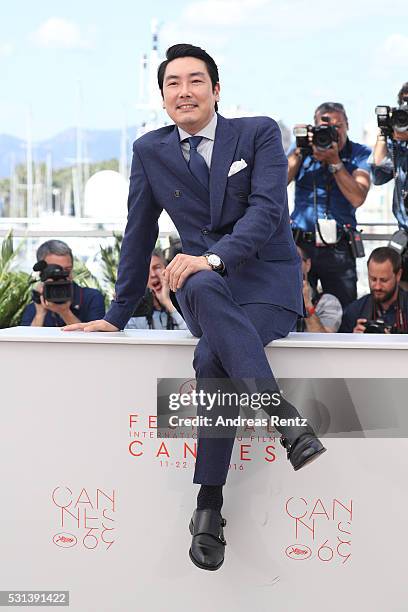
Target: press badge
328, 231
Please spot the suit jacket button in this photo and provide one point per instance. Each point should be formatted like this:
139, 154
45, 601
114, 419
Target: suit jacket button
204, 231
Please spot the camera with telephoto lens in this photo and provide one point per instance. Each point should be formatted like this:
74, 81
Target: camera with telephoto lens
323, 136
392, 119
376, 327
56, 286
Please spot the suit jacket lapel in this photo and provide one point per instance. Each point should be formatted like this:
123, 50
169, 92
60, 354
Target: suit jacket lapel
223, 153
172, 156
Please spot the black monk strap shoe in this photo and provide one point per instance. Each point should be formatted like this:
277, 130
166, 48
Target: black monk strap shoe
208, 543
303, 450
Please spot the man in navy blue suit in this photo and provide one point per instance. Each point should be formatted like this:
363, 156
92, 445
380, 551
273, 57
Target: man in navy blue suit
238, 279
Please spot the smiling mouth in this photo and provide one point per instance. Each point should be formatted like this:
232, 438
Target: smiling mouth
186, 106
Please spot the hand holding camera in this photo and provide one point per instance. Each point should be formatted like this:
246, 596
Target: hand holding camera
54, 292
393, 121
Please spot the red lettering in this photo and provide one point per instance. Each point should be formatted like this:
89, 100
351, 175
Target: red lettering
312, 528
111, 499
293, 515
162, 450
133, 418
319, 501
244, 452
86, 500
268, 451
131, 451
61, 505
152, 422
64, 512
193, 450
89, 518
349, 510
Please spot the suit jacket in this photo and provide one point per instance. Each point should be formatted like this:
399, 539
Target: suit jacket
243, 218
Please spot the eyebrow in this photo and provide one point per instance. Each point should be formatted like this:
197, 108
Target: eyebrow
176, 76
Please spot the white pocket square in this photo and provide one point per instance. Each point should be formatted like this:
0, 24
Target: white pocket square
236, 166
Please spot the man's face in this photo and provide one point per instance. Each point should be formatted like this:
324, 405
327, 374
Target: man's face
155, 280
339, 121
188, 94
62, 260
401, 136
382, 280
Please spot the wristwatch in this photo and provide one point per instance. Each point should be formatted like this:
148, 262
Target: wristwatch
333, 168
215, 262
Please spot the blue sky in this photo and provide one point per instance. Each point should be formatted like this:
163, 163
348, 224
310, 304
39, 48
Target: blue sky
275, 58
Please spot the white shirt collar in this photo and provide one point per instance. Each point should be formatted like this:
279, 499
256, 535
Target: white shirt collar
207, 132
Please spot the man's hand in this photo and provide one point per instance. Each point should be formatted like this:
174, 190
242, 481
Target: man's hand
163, 296
183, 266
328, 156
359, 328
63, 310
92, 326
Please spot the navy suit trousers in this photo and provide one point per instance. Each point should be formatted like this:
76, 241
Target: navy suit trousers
231, 345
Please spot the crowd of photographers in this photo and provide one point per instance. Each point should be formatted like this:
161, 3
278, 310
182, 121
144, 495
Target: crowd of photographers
332, 178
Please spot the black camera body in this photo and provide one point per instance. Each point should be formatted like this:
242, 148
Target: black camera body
392, 118
56, 288
323, 137
376, 327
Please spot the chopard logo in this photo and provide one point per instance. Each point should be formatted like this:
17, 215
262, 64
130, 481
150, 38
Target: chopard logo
65, 540
298, 552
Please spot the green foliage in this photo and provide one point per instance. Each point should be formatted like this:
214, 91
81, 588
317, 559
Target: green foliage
110, 262
15, 287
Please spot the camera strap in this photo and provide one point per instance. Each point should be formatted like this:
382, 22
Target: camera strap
373, 312
345, 156
327, 210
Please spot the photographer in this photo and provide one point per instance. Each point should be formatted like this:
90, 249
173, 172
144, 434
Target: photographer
332, 181
324, 311
156, 309
390, 161
67, 302
385, 309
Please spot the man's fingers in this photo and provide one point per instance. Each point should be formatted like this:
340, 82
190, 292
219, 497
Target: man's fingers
174, 275
74, 327
92, 326
183, 276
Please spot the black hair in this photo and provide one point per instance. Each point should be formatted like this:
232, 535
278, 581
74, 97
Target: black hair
330, 107
403, 94
187, 50
383, 254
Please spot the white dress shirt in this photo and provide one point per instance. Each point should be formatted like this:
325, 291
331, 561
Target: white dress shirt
205, 148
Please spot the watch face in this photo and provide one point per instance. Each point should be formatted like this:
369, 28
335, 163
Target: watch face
214, 260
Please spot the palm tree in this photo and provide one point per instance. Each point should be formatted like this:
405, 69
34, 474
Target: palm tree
15, 287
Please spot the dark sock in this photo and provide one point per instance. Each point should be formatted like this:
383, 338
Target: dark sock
210, 496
